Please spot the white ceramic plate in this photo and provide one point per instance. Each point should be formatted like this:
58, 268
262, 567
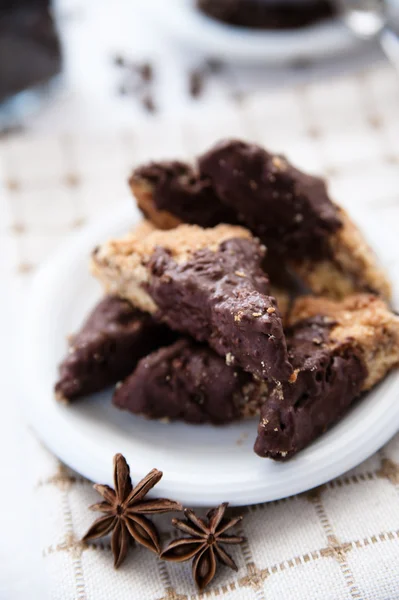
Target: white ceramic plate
182, 20
202, 465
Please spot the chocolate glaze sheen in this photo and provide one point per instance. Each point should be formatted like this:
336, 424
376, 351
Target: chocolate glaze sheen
329, 380
222, 298
288, 210
106, 349
184, 193
186, 382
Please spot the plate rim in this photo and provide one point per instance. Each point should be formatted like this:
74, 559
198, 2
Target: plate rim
329, 37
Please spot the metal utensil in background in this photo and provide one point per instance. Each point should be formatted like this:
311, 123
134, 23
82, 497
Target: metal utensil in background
369, 19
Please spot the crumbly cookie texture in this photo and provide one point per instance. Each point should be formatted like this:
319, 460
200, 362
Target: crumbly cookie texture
189, 382
363, 320
338, 350
288, 210
107, 347
143, 228
204, 282
120, 264
351, 267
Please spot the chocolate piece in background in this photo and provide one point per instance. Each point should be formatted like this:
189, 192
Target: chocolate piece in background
196, 82
287, 209
239, 182
207, 283
29, 46
161, 187
338, 350
169, 193
268, 14
198, 77
294, 217
106, 349
190, 382
137, 82
305, 233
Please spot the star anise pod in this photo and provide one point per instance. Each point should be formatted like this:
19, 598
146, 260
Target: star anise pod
204, 543
124, 508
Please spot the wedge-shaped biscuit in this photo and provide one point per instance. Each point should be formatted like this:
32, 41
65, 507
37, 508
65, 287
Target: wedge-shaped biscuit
291, 212
171, 193
204, 282
189, 382
338, 350
106, 349
287, 209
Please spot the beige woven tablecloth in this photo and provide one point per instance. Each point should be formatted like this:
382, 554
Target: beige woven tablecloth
340, 541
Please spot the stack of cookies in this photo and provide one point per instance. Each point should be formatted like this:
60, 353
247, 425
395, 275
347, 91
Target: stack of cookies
245, 292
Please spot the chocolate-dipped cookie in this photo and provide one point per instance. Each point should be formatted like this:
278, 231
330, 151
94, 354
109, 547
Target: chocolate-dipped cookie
106, 349
290, 211
338, 350
189, 382
170, 193
207, 283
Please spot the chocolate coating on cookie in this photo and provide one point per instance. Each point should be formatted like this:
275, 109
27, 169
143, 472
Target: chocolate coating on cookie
188, 382
207, 283
328, 379
176, 188
288, 210
222, 297
113, 338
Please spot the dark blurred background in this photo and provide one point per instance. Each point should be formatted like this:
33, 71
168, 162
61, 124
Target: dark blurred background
108, 64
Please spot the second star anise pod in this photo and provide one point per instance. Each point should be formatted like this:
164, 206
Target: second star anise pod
204, 544
124, 509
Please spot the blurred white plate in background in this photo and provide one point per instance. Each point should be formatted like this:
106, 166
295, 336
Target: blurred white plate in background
202, 465
181, 19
